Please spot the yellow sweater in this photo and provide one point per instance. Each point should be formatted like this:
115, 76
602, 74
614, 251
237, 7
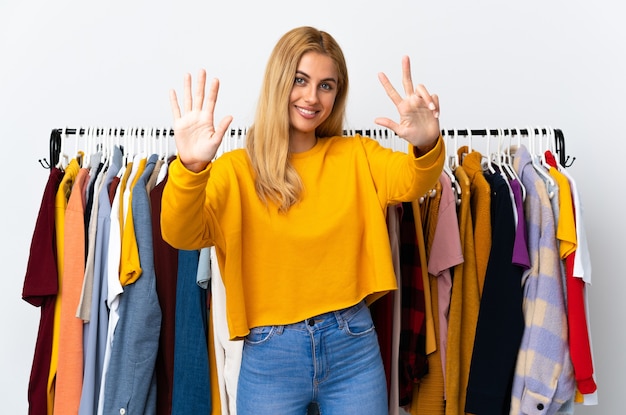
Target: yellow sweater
328, 252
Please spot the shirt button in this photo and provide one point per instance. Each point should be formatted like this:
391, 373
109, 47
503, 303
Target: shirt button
122, 411
540, 406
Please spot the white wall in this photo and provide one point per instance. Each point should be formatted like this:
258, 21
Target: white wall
493, 63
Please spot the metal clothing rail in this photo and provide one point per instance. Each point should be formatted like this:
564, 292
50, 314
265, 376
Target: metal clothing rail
57, 134
559, 139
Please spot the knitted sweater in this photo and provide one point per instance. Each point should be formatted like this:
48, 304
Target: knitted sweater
329, 251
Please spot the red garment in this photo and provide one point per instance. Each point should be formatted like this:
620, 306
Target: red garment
579, 344
40, 289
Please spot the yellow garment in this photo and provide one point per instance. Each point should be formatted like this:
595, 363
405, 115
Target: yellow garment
464, 307
328, 252
130, 267
424, 224
481, 213
566, 225
428, 395
216, 399
62, 197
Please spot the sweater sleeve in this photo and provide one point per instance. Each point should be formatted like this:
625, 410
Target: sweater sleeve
186, 222
402, 177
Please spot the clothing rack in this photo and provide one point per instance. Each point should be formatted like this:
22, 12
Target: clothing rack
559, 139
56, 136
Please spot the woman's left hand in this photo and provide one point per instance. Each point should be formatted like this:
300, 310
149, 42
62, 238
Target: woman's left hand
419, 111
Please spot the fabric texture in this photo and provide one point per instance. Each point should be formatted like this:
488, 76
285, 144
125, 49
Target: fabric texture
348, 184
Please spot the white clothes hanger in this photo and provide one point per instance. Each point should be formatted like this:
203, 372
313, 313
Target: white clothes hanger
552, 147
486, 160
448, 170
63, 157
470, 136
453, 159
509, 169
492, 170
536, 164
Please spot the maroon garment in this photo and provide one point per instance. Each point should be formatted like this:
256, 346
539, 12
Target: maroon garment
113, 188
41, 285
382, 311
382, 316
413, 364
166, 271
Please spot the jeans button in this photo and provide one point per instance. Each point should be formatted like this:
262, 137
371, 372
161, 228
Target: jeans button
311, 322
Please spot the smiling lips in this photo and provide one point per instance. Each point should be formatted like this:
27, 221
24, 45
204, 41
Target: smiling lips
309, 114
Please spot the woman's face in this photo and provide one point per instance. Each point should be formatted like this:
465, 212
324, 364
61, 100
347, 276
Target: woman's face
313, 94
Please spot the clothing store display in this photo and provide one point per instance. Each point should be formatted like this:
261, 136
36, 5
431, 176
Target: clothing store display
476, 286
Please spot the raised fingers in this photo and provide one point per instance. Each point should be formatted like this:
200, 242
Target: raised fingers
214, 87
198, 99
389, 89
407, 81
187, 100
174, 104
422, 93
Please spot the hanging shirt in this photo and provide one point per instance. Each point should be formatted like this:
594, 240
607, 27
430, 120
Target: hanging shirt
464, 306
228, 353
481, 214
500, 322
62, 197
97, 327
191, 390
40, 289
445, 253
543, 375
166, 270
130, 385
70, 355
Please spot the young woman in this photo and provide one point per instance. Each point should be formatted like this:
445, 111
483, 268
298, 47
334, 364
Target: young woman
297, 219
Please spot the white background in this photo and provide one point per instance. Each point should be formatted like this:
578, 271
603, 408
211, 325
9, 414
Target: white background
493, 63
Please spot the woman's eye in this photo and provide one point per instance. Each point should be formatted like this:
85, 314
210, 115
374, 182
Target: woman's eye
326, 86
299, 81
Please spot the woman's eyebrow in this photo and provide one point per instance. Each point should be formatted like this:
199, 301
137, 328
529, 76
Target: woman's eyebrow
305, 75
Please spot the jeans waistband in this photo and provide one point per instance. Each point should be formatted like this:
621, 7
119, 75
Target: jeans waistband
326, 319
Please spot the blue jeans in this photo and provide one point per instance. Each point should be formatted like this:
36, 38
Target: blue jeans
332, 360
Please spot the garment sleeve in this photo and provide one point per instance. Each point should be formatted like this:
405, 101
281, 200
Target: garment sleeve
187, 219
403, 177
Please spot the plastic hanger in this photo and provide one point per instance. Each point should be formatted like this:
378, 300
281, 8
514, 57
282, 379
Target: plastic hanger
89, 140
78, 153
551, 147
508, 162
486, 160
63, 157
448, 170
536, 164
453, 159
105, 145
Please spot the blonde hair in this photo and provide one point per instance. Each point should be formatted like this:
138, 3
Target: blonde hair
267, 141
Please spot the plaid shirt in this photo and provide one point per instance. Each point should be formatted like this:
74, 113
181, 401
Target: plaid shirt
413, 364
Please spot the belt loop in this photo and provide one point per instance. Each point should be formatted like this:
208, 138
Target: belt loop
279, 329
339, 318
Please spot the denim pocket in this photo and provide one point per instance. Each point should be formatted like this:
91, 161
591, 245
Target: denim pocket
260, 334
360, 323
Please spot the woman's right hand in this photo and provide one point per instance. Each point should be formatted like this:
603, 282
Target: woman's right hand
197, 138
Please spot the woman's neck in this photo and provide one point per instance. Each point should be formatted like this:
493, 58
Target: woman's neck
301, 143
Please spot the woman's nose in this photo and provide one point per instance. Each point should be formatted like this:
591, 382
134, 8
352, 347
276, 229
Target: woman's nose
310, 95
